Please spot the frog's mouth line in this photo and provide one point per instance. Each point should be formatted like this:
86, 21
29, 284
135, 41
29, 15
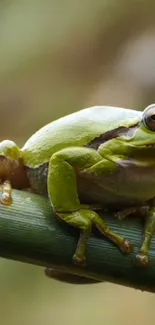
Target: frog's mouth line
145, 146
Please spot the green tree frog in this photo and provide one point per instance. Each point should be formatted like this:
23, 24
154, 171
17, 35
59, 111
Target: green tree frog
99, 157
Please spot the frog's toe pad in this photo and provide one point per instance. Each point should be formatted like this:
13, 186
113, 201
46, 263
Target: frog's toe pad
119, 215
142, 259
127, 247
6, 199
79, 260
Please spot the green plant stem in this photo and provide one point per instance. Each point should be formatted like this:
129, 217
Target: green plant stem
30, 232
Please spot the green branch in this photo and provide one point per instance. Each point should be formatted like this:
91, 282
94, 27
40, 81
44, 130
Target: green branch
30, 232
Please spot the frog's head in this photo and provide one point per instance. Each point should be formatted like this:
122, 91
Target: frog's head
142, 135
11, 164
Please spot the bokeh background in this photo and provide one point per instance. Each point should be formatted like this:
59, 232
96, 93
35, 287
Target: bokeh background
57, 57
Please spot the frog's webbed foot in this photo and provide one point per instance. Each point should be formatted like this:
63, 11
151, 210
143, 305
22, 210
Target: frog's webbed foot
6, 196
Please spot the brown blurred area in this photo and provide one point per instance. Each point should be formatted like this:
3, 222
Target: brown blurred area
58, 57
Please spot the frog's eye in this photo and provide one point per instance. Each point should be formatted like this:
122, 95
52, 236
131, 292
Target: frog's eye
149, 117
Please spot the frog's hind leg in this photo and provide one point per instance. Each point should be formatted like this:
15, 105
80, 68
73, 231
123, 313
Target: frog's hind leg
62, 191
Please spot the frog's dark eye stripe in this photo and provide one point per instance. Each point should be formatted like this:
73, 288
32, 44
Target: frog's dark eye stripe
118, 132
149, 117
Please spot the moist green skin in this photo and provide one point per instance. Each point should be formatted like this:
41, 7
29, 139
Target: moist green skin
98, 156
106, 190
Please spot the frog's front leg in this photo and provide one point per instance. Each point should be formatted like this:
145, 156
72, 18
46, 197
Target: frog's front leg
62, 191
122, 214
148, 214
149, 230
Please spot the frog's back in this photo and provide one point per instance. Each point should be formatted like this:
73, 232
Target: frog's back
77, 129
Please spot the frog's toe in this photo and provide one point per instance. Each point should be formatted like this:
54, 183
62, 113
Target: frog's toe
127, 247
142, 259
119, 215
79, 260
6, 196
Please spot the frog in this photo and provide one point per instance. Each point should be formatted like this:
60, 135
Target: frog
97, 158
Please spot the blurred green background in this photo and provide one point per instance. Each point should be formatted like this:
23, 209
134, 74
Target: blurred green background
57, 57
